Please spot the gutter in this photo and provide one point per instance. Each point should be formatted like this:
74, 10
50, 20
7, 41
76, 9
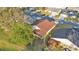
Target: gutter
49, 30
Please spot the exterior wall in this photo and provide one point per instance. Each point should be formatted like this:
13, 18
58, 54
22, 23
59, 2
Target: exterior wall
50, 30
48, 35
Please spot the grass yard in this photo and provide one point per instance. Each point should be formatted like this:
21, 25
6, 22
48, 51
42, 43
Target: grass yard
14, 33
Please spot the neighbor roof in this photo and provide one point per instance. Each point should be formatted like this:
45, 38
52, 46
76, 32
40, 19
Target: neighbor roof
73, 8
44, 26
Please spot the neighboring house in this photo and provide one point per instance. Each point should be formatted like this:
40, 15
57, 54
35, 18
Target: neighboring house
32, 15
72, 14
67, 34
69, 13
54, 11
73, 8
61, 44
43, 27
63, 15
66, 43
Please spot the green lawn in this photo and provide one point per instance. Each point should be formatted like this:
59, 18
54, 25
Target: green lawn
19, 35
14, 35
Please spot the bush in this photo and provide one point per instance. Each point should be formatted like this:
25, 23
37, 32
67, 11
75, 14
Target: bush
21, 34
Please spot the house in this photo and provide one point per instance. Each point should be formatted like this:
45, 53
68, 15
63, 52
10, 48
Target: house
68, 36
72, 14
64, 13
61, 44
42, 27
65, 43
34, 14
69, 12
73, 8
54, 11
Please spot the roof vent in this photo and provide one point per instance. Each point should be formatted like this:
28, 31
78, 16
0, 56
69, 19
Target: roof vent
36, 27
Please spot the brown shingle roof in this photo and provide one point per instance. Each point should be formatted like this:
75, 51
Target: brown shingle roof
44, 26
